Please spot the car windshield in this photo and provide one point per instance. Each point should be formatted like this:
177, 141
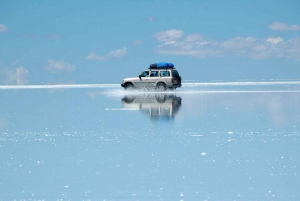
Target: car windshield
145, 74
175, 73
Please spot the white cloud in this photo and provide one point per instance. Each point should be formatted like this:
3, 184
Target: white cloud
92, 55
276, 48
196, 46
278, 26
275, 40
16, 76
117, 53
59, 66
113, 54
3, 28
169, 35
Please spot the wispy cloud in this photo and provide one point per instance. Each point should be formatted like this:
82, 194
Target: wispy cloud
55, 37
194, 45
59, 66
30, 35
150, 19
113, 54
16, 76
94, 56
279, 26
169, 35
14, 62
137, 42
3, 28
238, 43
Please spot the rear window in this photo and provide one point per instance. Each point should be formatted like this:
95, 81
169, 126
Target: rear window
175, 73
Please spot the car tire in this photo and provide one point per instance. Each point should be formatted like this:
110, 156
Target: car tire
161, 87
128, 86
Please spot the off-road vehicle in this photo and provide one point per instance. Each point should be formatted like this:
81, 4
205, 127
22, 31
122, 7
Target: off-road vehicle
159, 76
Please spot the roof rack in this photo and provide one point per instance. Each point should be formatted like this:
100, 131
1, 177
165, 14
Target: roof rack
156, 68
162, 65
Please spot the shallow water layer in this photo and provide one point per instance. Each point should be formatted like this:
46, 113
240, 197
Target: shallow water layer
201, 142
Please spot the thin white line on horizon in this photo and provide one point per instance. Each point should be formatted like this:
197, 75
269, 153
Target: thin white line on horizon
59, 86
237, 91
240, 83
70, 86
117, 109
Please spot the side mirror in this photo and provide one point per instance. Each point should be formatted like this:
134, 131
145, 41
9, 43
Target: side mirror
140, 77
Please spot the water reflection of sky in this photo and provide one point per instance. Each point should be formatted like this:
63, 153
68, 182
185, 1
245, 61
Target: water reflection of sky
198, 143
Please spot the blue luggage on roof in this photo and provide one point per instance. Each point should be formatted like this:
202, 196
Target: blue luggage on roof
162, 65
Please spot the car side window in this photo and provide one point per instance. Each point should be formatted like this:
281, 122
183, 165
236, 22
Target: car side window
164, 74
145, 74
154, 74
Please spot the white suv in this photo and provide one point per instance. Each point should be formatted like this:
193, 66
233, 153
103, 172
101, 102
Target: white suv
160, 76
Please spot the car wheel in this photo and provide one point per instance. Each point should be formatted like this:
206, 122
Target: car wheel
161, 98
161, 87
128, 86
128, 99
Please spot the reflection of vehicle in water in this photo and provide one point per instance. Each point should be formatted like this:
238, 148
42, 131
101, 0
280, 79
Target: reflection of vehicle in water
158, 106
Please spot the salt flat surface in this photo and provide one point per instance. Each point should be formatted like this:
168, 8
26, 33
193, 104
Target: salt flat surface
205, 141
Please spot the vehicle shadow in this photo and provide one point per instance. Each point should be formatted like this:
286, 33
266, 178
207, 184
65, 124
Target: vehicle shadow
160, 107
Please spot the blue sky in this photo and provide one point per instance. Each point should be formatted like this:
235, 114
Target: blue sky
54, 42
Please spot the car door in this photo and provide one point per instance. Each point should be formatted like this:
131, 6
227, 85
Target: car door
165, 77
142, 81
152, 80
